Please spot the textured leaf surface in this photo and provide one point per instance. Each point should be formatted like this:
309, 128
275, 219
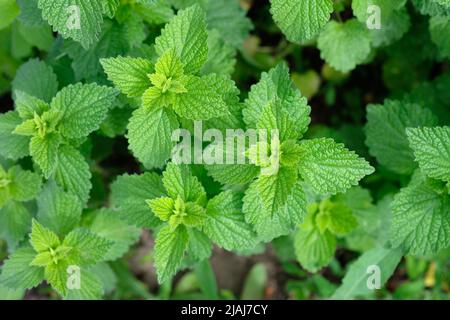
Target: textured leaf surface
169, 251
77, 19
149, 135
186, 33
89, 247
73, 173
83, 108
17, 272
12, 146
421, 219
225, 224
431, 148
178, 180
129, 75
45, 152
386, 136
25, 80
344, 45
301, 20
58, 210
107, 225
129, 196
329, 167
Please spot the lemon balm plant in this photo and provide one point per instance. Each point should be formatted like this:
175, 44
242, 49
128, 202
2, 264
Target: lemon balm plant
99, 96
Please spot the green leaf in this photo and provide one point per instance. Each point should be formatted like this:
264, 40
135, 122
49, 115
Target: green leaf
17, 272
179, 181
149, 135
107, 225
9, 10
25, 185
73, 173
344, 45
25, 80
274, 190
440, 34
15, 221
431, 148
162, 207
272, 225
276, 85
335, 217
387, 8
12, 146
27, 105
57, 210
30, 14
229, 19
221, 56
88, 247
421, 219
199, 244
45, 152
301, 20
42, 239
74, 19
83, 108
356, 280
200, 101
129, 75
225, 224
186, 33
386, 136
314, 249
129, 196
329, 167
169, 251
91, 287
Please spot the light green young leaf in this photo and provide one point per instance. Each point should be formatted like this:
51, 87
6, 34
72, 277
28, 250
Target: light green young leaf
12, 146
27, 105
386, 136
42, 239
421, 218
72, 173
129, 196
149, 135
57, 210
179, 181
329, 167
355, 282
76, 19
186, 33
431, 148
17, 272
25, 80
225, 224
129, 75
301, 20
162, 207
83, 107
314, 249
169, 251
344, 45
